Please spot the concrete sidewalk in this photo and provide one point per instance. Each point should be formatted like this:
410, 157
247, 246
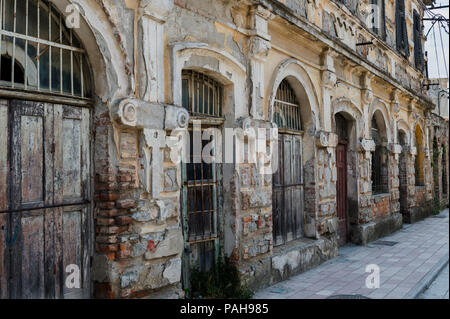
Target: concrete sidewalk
409, 260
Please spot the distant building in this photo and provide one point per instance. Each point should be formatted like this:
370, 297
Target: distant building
439, 92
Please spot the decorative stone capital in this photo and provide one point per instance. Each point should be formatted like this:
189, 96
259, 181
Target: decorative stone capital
326, 139
140, 114
367, 145
329, 79
413, 150
176, 117
395, 148
259, 48
157, 9
367, 96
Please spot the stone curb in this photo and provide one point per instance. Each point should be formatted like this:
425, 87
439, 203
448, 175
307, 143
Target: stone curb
428, 279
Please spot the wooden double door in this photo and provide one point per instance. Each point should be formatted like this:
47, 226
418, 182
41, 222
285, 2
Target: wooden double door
45, 200
341, 188
288, 200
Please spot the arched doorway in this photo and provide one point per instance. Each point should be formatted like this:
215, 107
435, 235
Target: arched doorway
45, 155
346, 187
203, 97
435, 164
444, 171
403, 173
380, 159
288, 202
420, 157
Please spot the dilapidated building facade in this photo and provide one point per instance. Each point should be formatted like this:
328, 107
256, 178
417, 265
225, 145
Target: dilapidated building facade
92, 92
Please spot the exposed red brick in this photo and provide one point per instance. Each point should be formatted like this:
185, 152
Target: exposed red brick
106, 248
105, 221
123, 220
109, 197
106, 205
103, 291
109, 212
127, 203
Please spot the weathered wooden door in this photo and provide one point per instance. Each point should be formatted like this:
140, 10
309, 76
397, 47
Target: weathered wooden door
45, 200
341, 163
288, 215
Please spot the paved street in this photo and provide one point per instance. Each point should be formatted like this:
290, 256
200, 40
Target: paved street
439, 287
406, 260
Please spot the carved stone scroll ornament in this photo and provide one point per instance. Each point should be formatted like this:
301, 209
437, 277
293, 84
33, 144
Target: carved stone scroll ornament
366, 146
153, 120
395, 149
140, 114
326, 139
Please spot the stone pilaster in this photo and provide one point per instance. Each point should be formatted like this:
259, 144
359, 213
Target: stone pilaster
154, 15
326, 216
259, 47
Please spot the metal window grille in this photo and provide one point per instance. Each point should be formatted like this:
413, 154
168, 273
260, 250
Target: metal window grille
38, 52
286, 108
444, 171
379, 162
418, 163
202, 95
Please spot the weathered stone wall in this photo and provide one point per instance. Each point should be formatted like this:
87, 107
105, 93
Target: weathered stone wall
138, 50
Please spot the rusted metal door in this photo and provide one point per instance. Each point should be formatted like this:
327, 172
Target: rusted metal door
288, 212
45, 207
341, 163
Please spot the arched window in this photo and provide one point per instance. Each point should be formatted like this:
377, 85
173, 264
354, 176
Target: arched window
39, 52
380, 167
418, 165
288, 206
444, 170
202, 95
286, 108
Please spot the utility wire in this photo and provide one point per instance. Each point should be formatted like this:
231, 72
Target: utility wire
435, 51
443, 53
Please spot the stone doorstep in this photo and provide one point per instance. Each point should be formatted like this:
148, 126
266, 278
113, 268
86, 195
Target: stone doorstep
292, 259
363, 234
418, 214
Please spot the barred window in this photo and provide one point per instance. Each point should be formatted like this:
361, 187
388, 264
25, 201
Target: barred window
286, 108
38, 52
380, 171
202, 95
444, 170
420, 157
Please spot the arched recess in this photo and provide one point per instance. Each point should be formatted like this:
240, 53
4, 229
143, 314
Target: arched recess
347, 125
107, 59
380, 157
444, 154
403, 138
383, 109
420, 156
353, 113
59, 127
220, 65
403, 127
200, 59
295, 74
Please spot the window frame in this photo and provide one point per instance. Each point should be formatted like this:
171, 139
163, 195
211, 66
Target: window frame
67, 46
